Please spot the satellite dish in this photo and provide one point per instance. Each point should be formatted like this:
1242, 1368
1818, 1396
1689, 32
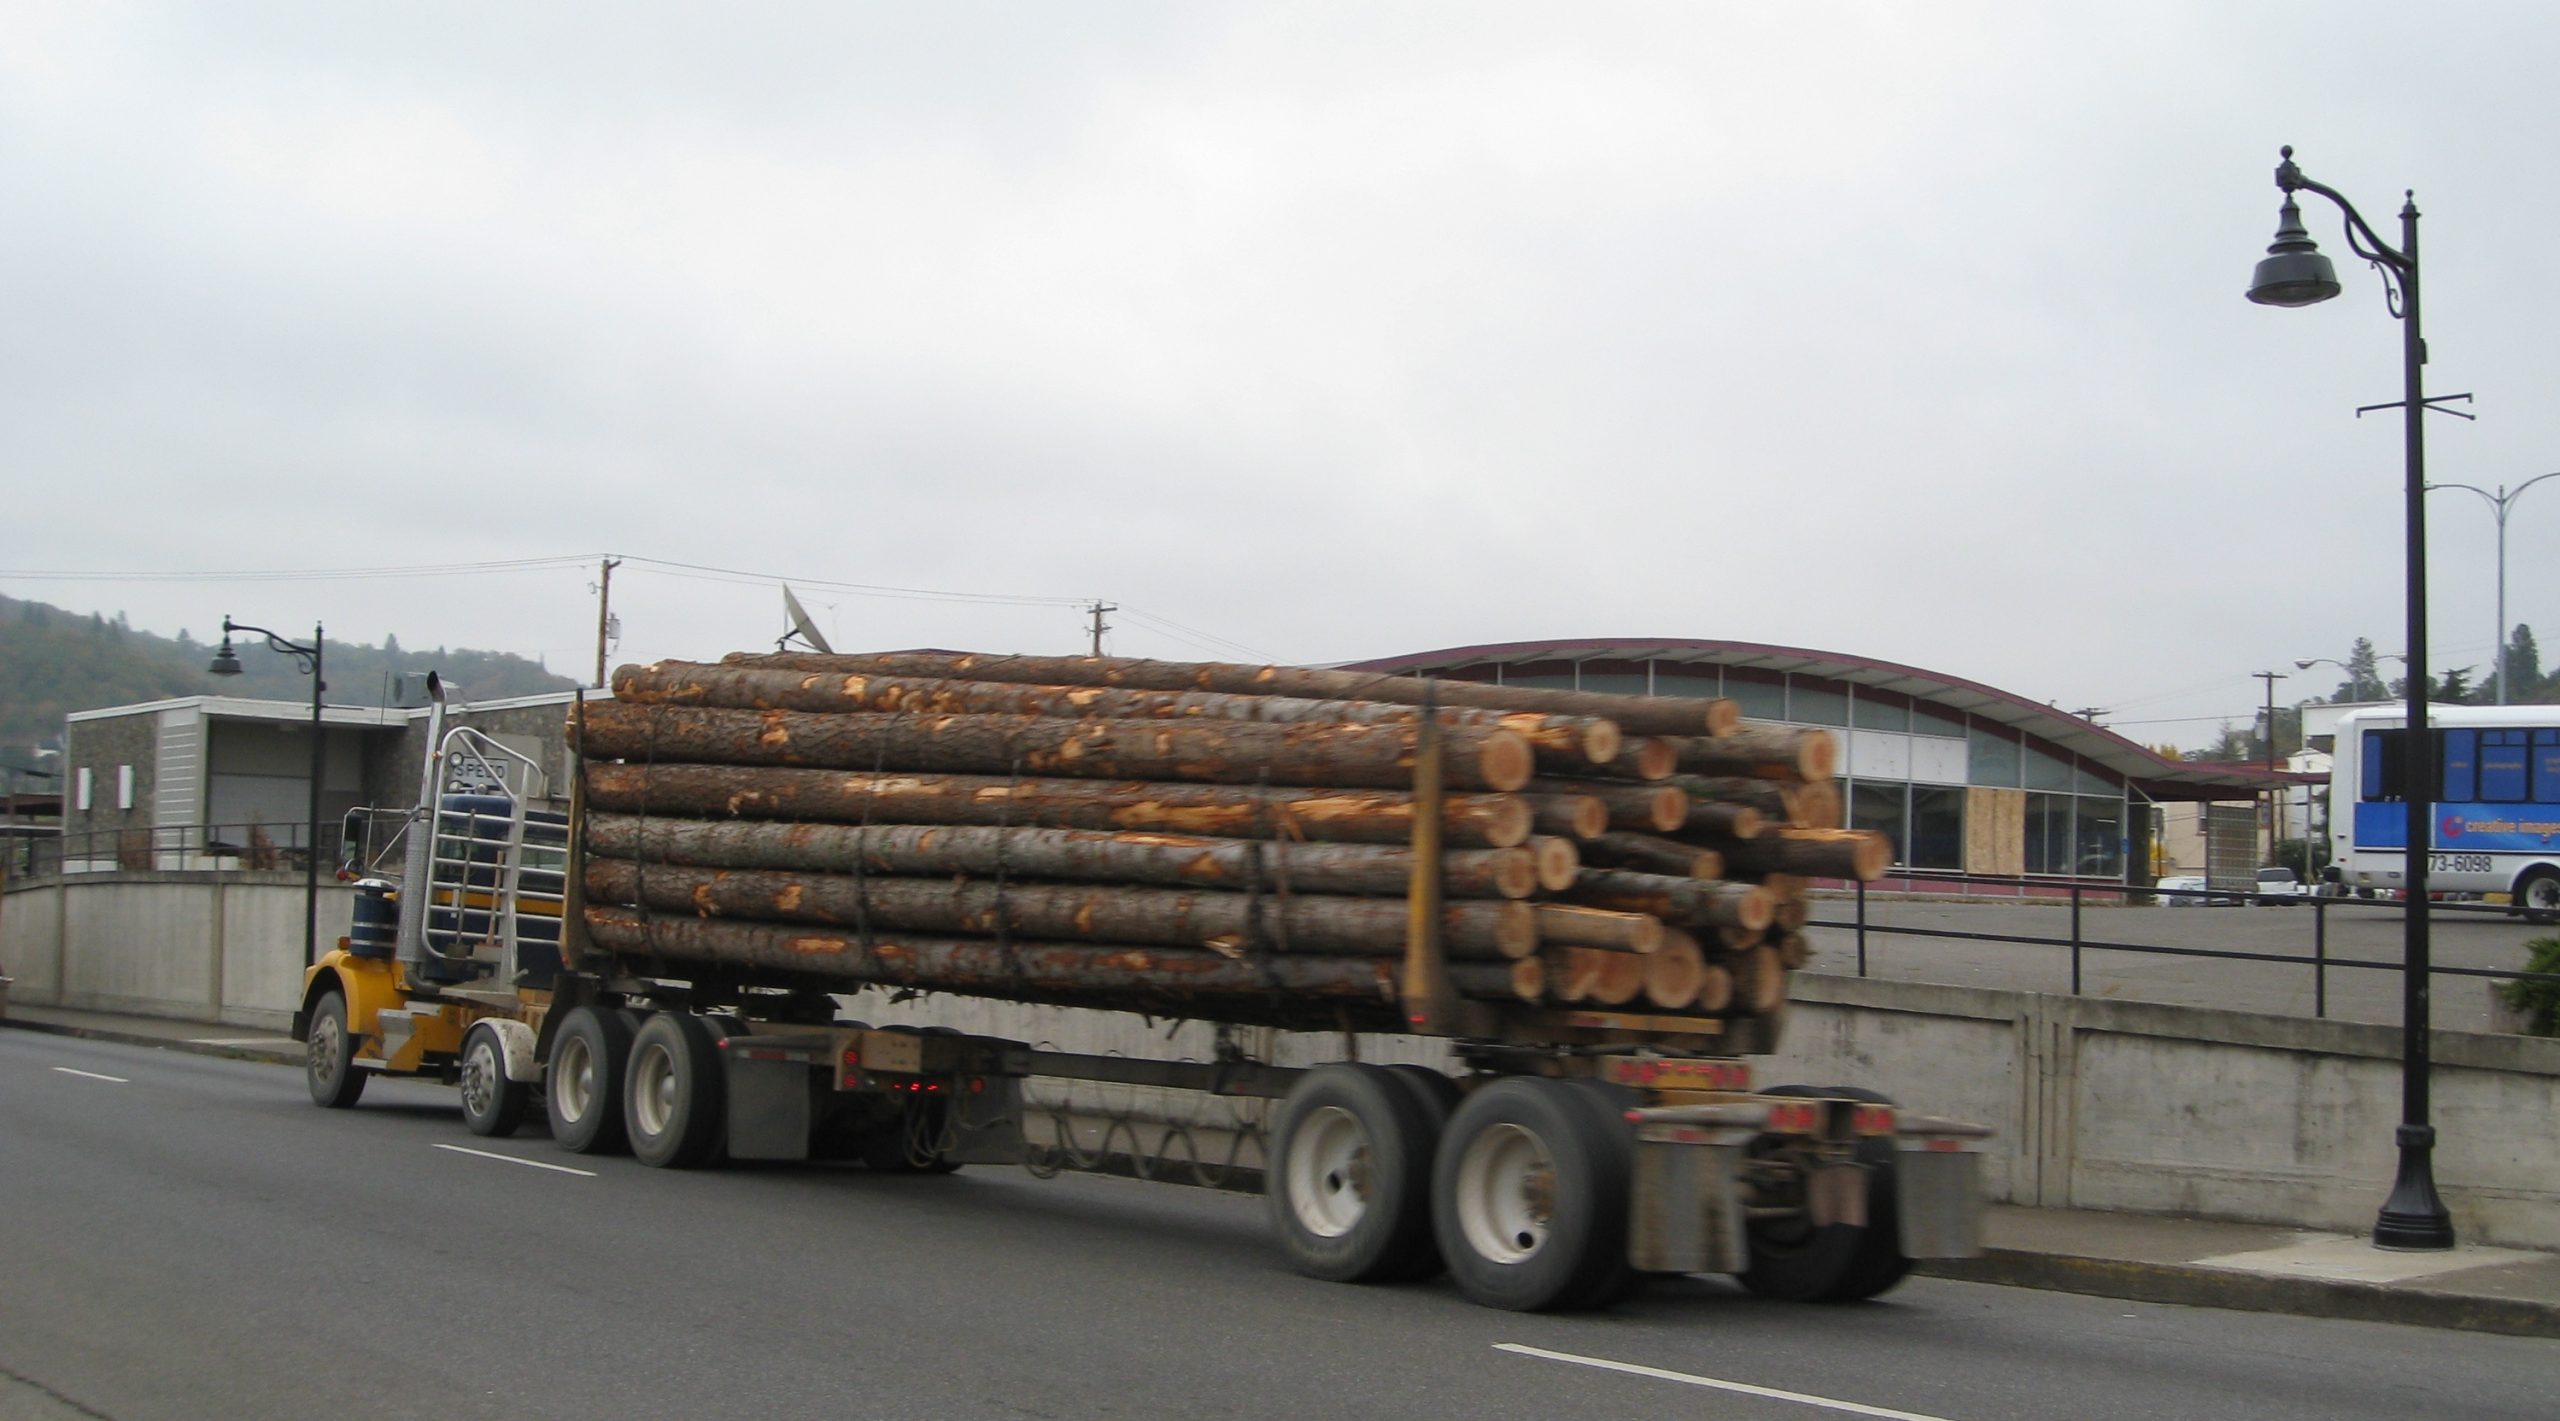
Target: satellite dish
801, 625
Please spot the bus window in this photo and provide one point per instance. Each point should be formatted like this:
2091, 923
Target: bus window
2461, 766
2381, 764
2546, 767
2502, 766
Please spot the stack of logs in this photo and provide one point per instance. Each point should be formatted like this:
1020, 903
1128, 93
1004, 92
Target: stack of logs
1204, 840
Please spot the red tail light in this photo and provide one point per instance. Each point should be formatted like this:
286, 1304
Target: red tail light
1795, 1118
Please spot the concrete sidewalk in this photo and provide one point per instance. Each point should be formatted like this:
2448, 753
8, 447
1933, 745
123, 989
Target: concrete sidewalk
2143, 1258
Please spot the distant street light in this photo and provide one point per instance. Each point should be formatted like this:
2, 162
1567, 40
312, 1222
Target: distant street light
2306, 663
226, 662
2501, 503
2293, 273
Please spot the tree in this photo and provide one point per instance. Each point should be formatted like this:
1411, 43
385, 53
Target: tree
2523, 669
2364, 674
2233, 746
2454, 687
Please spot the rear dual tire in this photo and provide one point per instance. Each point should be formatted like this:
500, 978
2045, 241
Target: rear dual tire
1347, 1184
1793, 1260
1529, 1196
672, 1101
582, 1090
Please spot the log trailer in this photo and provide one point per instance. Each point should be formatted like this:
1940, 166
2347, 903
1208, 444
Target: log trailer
1579, 1150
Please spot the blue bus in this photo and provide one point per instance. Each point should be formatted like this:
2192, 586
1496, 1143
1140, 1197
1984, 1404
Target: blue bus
2494, 820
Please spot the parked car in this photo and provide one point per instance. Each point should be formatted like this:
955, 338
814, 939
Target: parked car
2278, 887
2184, 890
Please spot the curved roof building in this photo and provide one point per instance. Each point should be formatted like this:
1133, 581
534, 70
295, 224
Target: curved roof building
1962, 776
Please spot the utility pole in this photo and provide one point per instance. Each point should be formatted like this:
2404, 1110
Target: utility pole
1100, 626
2270, 677
604, 614
2275, 800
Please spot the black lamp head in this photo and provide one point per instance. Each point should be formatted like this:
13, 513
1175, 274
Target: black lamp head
226, 662
2293, 273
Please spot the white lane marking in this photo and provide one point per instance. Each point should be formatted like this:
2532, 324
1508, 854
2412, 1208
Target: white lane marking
92, 1075
242, 1041
512, 1159
1685, 1378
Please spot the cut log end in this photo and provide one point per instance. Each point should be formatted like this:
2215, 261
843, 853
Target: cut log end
1652, 758
1558, 863
1505, 760
1602, 741
1673, 976
1529, 979
1715, 991
1724, 717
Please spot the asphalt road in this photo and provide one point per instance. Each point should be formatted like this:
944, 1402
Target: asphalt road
2355, 930
186, 1237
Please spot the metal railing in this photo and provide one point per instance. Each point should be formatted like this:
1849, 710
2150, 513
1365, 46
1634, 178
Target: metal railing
33, 851
2079, 895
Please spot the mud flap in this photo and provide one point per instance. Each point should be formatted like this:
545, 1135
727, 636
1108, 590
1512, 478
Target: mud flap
1837, 1194
1687, 1213
1938, 1201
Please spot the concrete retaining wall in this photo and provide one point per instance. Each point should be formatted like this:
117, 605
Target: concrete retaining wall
2099, 1104
202, 947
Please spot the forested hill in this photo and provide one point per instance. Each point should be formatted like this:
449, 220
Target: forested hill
54, 661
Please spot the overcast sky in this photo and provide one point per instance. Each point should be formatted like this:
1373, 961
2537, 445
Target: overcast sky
1303, 332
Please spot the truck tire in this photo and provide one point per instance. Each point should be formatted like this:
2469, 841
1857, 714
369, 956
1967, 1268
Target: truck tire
1529, 1195
492, 1105
671, 1099
1438, 1096
583, 1085
1619, 1280
2537, 896
1879, 1266
1347, 1184
329, 1056
1792, 1260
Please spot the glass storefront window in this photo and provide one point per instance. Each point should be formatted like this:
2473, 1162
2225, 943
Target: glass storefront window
1879, 710
2049, 833
2046, 770
1616, 682
1814, 701
1937, 828
1880, 807
1991, 757
1925, 721
1667, 682
1761, 694
2099, 837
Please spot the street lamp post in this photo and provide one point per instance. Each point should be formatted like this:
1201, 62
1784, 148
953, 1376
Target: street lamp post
226, 662
2293, 273
2501, 504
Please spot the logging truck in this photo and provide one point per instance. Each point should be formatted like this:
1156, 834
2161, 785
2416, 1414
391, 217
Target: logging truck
1592, 902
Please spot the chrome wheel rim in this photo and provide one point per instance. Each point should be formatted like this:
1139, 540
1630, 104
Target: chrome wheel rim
1329, 1173
482, 1079
1506, 1194
322, 1056
573, 1079
653, 1088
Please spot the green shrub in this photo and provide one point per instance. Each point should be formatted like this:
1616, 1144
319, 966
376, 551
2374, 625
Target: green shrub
2539, 1001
